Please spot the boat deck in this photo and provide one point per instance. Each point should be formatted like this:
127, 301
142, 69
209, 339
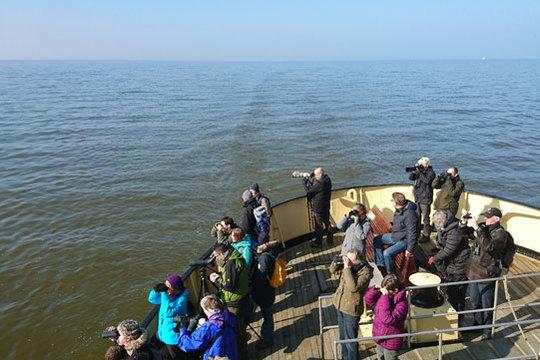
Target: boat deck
297, 321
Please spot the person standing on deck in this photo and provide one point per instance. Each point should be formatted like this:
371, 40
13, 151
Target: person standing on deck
233, 284
249, 222
262, 200
453, 256
404, 235
171, 296
493, 251
423, 175
451, 188
222, 230
390, 307
318, 188
348, 298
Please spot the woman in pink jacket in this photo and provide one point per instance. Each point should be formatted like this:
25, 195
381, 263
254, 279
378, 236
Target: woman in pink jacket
390, 308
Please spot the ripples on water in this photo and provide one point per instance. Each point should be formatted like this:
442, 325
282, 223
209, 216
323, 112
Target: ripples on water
113, 172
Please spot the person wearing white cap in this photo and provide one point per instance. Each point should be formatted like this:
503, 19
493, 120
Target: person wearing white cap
423, 175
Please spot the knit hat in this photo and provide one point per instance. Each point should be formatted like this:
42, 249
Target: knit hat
176, 282
246, 195
255, 187
130, 329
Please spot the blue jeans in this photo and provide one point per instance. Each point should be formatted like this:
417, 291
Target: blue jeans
384, 354
348, 329
386, 257
267, 327
481, 296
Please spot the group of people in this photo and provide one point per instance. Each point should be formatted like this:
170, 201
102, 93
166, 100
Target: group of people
455, 260
245, 260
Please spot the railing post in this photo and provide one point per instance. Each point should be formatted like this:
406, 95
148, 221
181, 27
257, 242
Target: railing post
409, 317
334, 350
321, 330
495, 303
440, 346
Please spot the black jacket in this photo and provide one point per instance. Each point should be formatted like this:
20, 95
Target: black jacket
262, 292
249, 222
489, 249
423, 192
454, 252
318, 193
405, 225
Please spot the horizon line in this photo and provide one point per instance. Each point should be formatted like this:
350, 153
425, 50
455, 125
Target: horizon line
261, 61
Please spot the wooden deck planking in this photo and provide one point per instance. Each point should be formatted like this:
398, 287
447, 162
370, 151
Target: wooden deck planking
297, 322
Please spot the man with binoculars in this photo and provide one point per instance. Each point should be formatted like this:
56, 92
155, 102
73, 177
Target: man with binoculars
451, 188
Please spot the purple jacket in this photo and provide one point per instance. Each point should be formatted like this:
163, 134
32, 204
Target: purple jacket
389, 316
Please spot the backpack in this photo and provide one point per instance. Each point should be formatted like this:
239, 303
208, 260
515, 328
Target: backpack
280, 272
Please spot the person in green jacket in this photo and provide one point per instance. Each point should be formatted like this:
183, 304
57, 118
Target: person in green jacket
232, 282
451, 188
354, 280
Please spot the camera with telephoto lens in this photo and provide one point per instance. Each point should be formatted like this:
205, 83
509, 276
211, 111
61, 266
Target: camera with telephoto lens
110, 334
415, 168
300, 174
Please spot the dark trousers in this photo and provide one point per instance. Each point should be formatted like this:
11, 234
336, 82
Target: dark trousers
241, 326
385, 354
348, 329
322, 224
456, 296
423, 211
481, 296
267, 327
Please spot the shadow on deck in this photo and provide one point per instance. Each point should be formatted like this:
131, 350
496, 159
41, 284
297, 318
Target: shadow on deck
297, 321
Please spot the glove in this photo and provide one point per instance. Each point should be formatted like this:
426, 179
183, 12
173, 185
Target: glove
430, 261
192, 325
160, 287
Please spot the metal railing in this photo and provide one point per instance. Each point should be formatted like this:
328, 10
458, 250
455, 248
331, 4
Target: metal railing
440, 332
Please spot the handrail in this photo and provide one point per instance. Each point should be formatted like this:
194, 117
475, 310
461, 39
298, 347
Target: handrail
495, 307
434, 332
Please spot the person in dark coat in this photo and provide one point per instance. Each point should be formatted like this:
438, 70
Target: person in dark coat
451, 188
262, 200
492, 243
249, 222
453, 256
318, 188
404, 235
264, 295
423, 176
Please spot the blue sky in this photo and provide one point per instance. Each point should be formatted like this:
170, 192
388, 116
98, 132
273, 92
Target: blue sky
269, 30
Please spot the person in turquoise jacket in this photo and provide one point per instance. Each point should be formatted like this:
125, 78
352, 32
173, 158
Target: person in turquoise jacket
172, 298
243, 244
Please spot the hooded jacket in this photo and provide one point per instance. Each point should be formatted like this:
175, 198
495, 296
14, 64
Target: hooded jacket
355, 234
318, 193
405, 225
423, 192
248, 222
216, 337
233, 281
489, 249
389, 314
168, 309
452, 259
353, 284
244, 248
141, 349
448, 197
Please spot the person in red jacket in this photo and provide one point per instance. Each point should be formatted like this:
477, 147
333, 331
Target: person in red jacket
390, 308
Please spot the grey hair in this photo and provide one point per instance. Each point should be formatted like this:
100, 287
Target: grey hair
440, 218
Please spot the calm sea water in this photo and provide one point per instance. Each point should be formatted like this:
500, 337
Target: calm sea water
113, 172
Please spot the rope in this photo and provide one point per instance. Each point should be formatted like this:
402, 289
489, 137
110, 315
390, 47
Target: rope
507, 294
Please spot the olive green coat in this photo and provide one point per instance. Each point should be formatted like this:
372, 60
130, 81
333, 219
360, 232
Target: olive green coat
349, 295
448, 197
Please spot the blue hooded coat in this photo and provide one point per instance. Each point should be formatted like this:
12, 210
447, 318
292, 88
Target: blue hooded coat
216, 337
244, 248
168, 309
